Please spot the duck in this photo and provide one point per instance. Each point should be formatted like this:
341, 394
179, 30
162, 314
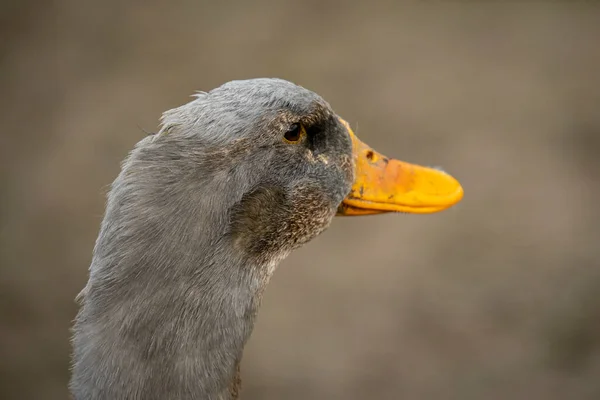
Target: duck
197, 221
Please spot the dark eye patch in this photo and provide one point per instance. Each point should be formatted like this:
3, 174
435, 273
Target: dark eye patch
317, 135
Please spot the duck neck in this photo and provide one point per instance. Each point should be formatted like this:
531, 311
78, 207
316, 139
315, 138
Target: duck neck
168, 307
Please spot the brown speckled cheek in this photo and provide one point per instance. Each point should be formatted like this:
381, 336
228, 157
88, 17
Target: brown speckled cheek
269, 222
314, 212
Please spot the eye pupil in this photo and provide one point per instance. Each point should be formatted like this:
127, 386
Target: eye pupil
293, 134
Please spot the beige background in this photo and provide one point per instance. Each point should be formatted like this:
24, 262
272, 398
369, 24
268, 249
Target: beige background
497, 298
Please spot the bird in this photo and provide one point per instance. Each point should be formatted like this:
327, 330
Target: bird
197, 221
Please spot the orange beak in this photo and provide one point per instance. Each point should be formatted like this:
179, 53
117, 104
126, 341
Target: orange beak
385, 185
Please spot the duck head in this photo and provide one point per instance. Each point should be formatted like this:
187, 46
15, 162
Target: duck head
288, 164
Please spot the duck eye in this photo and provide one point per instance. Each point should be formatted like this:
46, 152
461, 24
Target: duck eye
294, 134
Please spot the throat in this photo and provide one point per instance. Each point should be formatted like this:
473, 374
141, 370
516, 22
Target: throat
165, 335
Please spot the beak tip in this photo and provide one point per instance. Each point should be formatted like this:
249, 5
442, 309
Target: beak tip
460, 193
457, 194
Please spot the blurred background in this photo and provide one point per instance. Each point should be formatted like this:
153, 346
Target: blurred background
496, 298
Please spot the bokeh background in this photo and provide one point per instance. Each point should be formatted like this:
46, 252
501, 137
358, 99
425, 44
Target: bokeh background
497, 298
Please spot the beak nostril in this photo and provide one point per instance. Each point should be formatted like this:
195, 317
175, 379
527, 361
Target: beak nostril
370, 155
